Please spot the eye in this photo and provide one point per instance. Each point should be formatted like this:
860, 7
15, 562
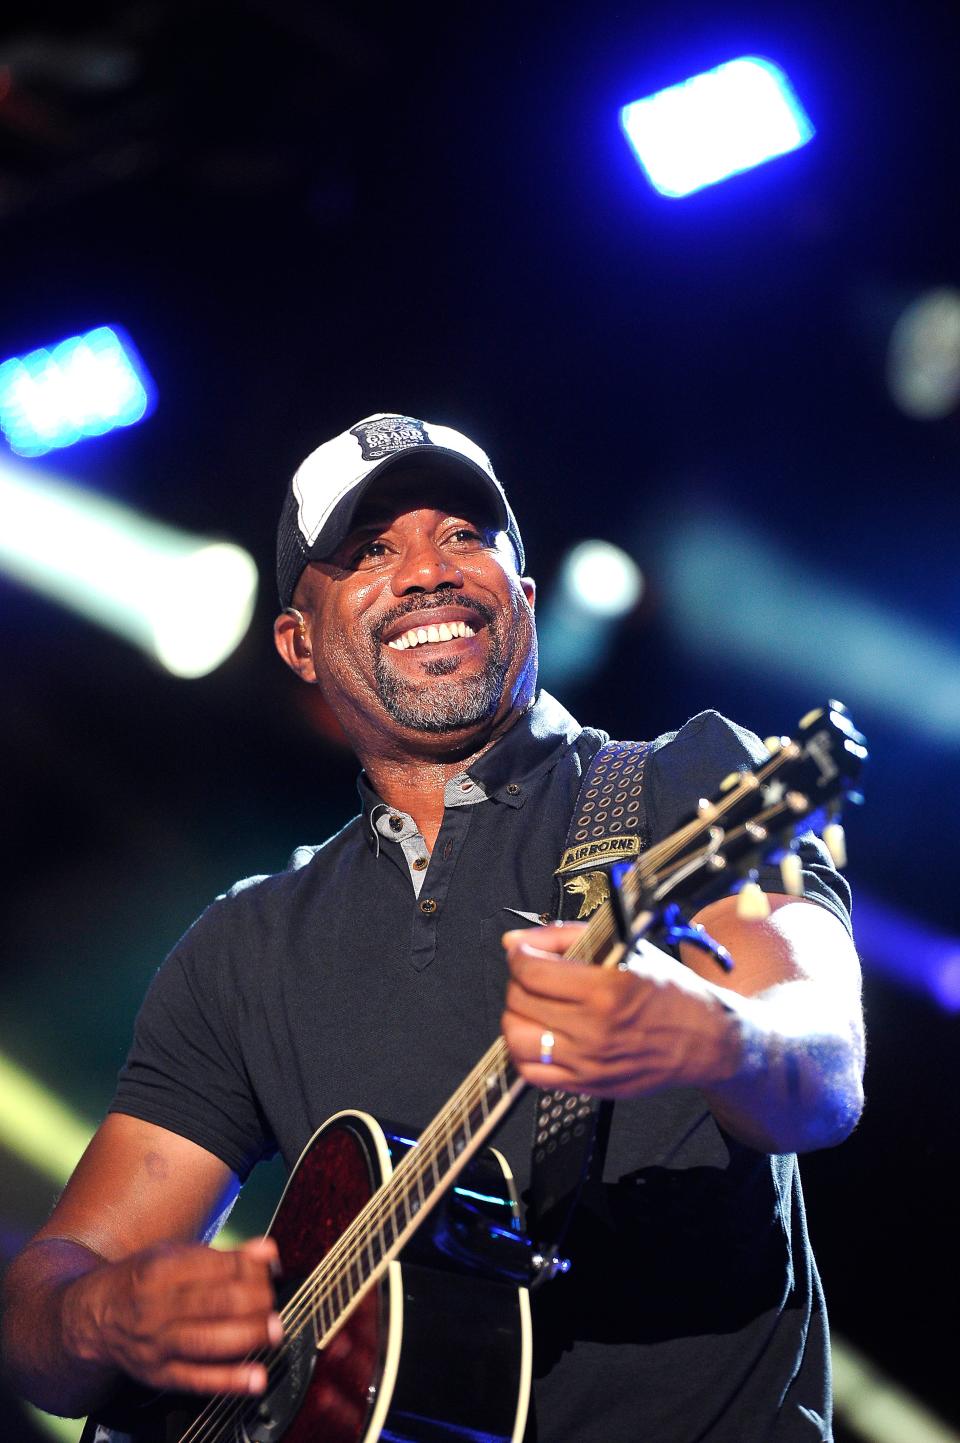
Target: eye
370, 551
466, 535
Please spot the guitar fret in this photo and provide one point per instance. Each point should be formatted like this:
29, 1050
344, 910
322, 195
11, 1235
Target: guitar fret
448, 1144
355, 1276
326, 1315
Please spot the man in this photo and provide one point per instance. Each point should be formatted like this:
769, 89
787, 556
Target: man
371, 974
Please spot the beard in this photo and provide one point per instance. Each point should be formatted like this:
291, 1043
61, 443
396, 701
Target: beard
449, 702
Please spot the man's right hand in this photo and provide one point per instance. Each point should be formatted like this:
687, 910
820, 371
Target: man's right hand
115, 1282
179, 1316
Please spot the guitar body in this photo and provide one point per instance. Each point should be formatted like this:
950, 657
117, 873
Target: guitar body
438, 1349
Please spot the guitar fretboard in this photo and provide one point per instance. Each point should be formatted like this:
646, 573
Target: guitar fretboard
380, 1230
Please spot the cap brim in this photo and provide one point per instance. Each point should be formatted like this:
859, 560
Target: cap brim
340, 522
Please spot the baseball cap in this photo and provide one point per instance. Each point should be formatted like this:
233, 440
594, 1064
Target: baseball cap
325, 490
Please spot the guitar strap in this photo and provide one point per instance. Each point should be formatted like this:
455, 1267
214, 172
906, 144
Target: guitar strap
571, 1129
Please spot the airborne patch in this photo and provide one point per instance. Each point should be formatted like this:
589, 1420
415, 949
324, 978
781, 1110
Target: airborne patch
598, 854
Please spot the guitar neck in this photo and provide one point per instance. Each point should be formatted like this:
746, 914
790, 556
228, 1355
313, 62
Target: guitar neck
461, 1127
727, 836
379, 1231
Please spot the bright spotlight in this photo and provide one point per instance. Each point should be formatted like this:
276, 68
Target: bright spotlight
82, 387
602, 579
183, 599
597, 584
715, 125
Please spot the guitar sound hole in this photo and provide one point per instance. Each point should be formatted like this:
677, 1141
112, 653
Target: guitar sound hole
265, 1419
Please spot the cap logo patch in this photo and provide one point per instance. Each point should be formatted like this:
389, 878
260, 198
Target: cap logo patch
383, 437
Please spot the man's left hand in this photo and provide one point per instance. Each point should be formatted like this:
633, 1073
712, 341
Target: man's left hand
617, 1032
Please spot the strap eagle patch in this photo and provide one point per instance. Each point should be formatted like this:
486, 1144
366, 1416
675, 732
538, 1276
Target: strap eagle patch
592, 887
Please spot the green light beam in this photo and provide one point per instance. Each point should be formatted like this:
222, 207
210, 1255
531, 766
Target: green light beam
185, 600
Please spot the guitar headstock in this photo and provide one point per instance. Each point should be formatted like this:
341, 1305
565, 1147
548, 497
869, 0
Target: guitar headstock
755, 817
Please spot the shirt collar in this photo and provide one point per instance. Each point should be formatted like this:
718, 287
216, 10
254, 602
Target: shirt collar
533, 745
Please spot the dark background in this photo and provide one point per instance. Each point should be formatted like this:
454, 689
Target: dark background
305, 213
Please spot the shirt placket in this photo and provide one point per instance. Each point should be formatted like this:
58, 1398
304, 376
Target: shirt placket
430, 875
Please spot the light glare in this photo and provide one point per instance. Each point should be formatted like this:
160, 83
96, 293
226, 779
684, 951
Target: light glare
923, 360
185, 601
84, 386
602, 579
714, 571
715, 125
597, 584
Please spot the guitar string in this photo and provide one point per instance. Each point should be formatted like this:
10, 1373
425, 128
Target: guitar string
603, 932
310, 1297
236, 1405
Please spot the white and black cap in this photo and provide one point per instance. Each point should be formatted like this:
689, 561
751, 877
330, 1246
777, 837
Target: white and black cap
326, 488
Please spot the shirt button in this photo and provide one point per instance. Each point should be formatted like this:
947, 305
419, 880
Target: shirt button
396, 823
514, 789
428, 906
419, 863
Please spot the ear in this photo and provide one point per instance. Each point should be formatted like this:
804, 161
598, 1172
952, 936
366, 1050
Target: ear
291, 641
529, 590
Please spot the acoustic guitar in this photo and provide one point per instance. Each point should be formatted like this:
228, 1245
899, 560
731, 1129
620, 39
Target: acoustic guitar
389, 1241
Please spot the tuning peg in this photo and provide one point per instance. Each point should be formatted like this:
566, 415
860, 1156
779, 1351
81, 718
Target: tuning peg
791, 870
835, 841
773, 744
752, 904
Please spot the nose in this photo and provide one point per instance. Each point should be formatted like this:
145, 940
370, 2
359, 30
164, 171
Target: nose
424, 567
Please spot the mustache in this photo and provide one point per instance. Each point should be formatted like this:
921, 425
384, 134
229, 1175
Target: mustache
432, 602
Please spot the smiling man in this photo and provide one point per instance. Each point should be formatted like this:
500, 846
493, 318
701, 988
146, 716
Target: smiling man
380, 965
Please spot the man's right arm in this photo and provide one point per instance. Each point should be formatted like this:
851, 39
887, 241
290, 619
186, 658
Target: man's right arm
117, 1284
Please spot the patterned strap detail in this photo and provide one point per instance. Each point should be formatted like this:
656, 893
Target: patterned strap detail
570, 1128
609, 805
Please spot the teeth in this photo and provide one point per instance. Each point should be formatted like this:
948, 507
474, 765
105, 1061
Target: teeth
417, 635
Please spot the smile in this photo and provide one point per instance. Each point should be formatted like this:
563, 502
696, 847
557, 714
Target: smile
419, 635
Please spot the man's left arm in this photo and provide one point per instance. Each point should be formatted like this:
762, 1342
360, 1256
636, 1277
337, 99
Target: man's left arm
776, 1046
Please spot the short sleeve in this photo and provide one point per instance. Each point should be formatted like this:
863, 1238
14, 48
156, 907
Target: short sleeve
184, 1070
692, 762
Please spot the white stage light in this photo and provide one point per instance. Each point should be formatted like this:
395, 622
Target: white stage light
598, 583
923, 359
715, 125
602, 579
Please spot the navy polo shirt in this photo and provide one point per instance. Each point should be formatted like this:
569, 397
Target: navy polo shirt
371, 975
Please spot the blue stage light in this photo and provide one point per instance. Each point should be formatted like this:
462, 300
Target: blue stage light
731, 591
715, 125
909, 950
84, 386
